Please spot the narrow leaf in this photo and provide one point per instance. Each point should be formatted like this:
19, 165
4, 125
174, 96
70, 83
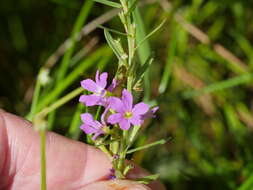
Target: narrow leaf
143, 69
222, 85
146, 65
114, 45
133, 6
108, 3
112, 30
151, 33
148, 179
160, 142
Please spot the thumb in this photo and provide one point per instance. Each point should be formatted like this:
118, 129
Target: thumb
116, 185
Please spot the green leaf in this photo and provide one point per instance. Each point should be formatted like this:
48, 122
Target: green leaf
109, 3
133, 6
147, 146
170, 59
148, 179
127, 168
143, 69
146, 65
144, 50
115, 46
112, 30
151, 33
222, 85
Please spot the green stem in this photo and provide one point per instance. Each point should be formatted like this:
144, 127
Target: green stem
43, 159
146, 146
98, 112
35, 99
74, 131
61, 101
85, 10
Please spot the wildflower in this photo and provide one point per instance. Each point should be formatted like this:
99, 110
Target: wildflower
98, 87
91, 126
127, 114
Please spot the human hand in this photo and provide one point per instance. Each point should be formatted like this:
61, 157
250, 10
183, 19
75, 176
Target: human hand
71, 165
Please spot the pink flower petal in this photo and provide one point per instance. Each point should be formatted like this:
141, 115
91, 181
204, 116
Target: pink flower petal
88, 129
136, 120
88, 119
90, 100
140, 108
103, 80
112, 86
97, 76
96, 135
104, 114
116, 104
127, 99
114, 118
124, 124
91, 86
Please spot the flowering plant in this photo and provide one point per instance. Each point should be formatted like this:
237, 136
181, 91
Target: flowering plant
116, 129
119, 122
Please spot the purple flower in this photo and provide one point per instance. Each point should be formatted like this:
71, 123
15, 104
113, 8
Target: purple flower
150, 113
91, 126
112, 174
98, 87
127, 114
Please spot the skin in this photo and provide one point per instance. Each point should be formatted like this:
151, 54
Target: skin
71, 165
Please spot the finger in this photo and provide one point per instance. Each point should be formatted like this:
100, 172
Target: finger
116, 185
70, 164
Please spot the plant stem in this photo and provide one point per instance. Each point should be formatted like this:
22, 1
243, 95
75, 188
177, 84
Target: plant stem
61, 101
43, 159
35, 99
129, 25
146, 146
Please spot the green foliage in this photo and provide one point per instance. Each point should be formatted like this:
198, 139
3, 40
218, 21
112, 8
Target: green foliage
109, 3
201, 78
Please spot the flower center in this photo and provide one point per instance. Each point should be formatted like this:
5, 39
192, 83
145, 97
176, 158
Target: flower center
128, 114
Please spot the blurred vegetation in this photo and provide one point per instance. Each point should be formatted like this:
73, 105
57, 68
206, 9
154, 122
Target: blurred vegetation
201, 79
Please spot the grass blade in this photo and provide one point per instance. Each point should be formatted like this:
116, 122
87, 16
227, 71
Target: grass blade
87, 63
160, 142
109, 3
220, 85
151, 33
170, 58
144, 51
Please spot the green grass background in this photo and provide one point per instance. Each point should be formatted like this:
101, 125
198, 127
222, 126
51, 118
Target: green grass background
201, 79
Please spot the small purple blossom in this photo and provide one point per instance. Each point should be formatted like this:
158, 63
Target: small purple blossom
127, 114
150, 113
115, 156
91, 126
112, 174
98, 87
